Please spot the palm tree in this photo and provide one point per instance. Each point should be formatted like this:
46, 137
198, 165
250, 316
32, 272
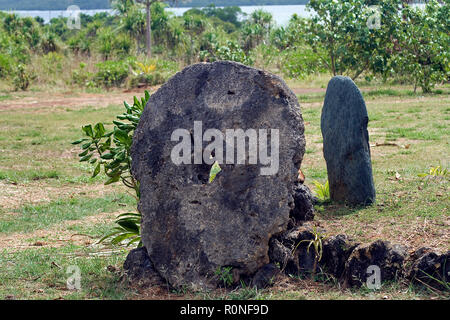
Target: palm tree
124, 6
148, 30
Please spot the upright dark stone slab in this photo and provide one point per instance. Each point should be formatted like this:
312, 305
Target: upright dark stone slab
191, 227
346, 143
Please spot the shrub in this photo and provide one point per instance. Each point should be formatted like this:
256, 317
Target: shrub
22, 78
423, 45
256, 29
49, 43
153, 72
340, 29
53, 62
322, 191
230, 50
82, 77
301, 61
122, 45
6, 63
111, 73
80, 43
147, 80
112, 152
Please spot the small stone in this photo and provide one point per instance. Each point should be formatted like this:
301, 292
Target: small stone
139, 270
265, 276
290, 251
303, 203
389, 258
430, 268
336, 251
346, 143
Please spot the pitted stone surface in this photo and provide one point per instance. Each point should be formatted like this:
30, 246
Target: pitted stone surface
346, 143
192, 227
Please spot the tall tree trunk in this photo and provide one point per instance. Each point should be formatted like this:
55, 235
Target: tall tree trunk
148, 32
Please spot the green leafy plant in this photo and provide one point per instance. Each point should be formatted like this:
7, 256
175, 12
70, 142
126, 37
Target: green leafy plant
322, 191
338, 33
128, 229
317, 243
422, 40
111, 151
435, 172
82, 77
151, 72
111, 73
215, 169
22, 78
225, 275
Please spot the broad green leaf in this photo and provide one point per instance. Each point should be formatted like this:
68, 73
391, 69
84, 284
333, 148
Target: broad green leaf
215, 169
122, 136
99, 129
122, 237
129, 225
79, 141
138, 238
96, 170
88, 130
85, 152
86, 145
112, 180
107, 156
86, 158
136, 102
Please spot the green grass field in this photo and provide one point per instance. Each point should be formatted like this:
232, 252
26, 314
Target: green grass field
52, 213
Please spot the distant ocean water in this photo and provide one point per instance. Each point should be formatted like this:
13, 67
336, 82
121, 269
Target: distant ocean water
281, 14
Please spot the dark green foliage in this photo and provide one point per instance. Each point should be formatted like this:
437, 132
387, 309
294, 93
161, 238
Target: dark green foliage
230, 50
227, 14
423, 43
110, 151
340, 36
224, 275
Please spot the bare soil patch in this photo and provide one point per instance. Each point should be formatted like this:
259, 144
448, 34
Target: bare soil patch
421, 232
15, 195
43, 101
56, 236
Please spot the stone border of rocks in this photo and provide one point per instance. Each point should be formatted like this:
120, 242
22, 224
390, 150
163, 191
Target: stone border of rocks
342, 258
348, 261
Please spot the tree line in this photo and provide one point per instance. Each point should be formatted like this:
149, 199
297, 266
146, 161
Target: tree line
409, 45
